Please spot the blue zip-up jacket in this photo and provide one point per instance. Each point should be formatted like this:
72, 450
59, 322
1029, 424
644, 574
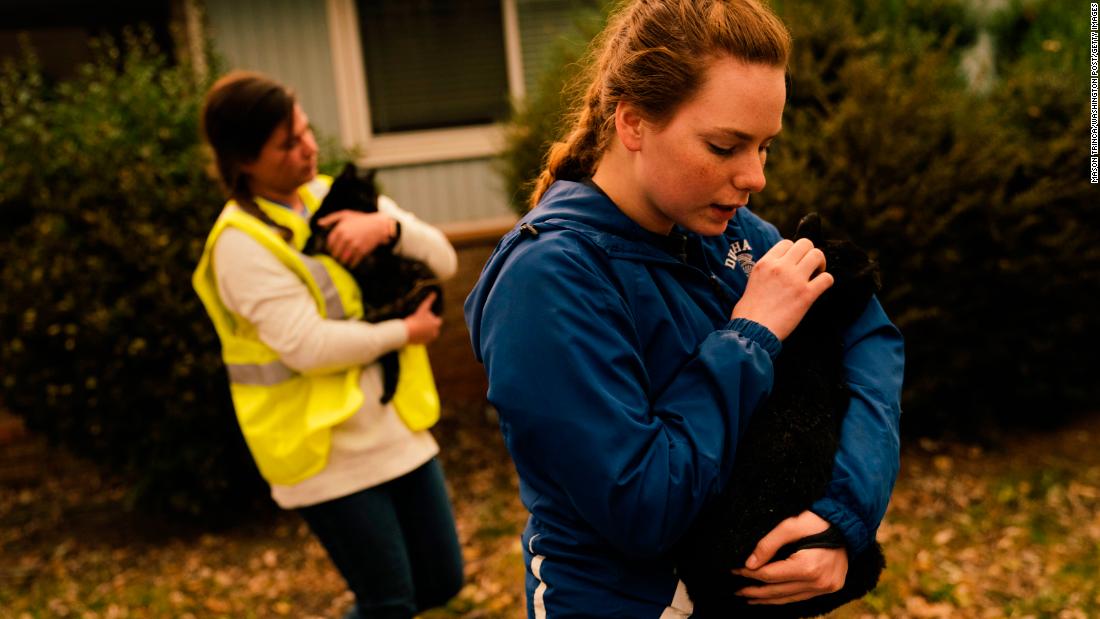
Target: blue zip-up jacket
623, 387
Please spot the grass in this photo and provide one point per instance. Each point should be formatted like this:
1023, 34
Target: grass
971, 532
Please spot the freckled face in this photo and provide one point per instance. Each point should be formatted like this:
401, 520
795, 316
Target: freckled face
287, 160
700, 166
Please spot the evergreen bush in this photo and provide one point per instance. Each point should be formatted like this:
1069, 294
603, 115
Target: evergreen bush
105, 205
975, 203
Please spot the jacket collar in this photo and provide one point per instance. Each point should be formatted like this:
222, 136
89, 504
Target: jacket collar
585, 209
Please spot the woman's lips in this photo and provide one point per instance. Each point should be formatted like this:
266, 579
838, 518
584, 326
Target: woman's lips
727, 208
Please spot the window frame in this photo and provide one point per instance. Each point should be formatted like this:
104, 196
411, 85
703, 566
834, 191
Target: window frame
409, 147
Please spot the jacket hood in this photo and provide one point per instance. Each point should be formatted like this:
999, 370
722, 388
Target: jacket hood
572, 206
583, 208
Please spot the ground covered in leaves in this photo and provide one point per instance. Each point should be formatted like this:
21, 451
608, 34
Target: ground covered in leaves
1012, 531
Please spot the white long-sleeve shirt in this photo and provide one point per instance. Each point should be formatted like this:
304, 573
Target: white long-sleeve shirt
373, 446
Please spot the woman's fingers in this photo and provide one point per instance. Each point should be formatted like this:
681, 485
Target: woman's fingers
788, 251
426, 304
331, 218
783, 285
778, 250
798, 251
423, 325
805, 574
353, 235
807, 258
811, 263
820, 283
788, 530
801, 253
343, 246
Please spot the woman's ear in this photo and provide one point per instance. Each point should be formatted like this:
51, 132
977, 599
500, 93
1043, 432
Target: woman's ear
628, 125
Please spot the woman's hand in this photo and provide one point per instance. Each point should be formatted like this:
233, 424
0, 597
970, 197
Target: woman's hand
805, 574
353, 234
784, 284
423, 325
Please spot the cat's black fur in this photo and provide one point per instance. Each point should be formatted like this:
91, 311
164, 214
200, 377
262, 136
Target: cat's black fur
784, 461
392, 286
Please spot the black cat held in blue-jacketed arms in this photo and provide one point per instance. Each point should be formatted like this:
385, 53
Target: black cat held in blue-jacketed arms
392, 285
784, 461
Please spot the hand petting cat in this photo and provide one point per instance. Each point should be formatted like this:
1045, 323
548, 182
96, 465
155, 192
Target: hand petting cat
354, 235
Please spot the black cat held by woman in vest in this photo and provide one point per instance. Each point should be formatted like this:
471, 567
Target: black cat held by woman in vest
392, 285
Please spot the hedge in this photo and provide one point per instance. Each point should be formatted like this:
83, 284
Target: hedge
105, 204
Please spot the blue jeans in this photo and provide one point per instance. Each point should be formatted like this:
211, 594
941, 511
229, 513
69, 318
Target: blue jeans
395, 544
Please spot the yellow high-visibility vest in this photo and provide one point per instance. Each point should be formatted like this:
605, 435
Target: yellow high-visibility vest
287, 417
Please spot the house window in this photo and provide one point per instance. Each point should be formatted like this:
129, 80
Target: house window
421, 81
432, 64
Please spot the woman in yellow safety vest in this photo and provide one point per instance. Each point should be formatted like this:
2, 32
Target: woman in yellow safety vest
303, 370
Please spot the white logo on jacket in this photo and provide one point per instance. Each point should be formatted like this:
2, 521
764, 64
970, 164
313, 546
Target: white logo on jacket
740, 254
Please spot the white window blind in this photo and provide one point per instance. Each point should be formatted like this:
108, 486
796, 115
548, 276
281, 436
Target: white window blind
433, 63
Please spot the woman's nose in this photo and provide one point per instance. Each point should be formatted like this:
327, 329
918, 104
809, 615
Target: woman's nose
749, 173
310, 144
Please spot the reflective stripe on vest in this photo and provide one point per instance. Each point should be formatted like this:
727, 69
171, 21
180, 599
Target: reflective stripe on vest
314, 191
259, 374
334, 307
276, 372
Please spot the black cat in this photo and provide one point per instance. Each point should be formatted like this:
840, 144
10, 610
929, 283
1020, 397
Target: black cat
785, 459
392, 286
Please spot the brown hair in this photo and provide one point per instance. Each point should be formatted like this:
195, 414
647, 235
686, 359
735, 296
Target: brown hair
653, 53
239, 114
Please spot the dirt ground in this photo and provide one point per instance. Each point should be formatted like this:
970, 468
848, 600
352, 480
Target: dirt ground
971, 532
70, 548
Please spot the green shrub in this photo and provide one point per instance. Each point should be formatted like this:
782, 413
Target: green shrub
1048, 34
105, 207
974, 204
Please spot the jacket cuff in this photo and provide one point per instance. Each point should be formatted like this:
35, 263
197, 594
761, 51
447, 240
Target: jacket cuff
757, 333
855, 532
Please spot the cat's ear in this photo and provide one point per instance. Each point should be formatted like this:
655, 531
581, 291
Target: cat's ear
809, 227
349, 170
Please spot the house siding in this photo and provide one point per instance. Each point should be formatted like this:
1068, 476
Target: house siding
287, 39
447, 192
